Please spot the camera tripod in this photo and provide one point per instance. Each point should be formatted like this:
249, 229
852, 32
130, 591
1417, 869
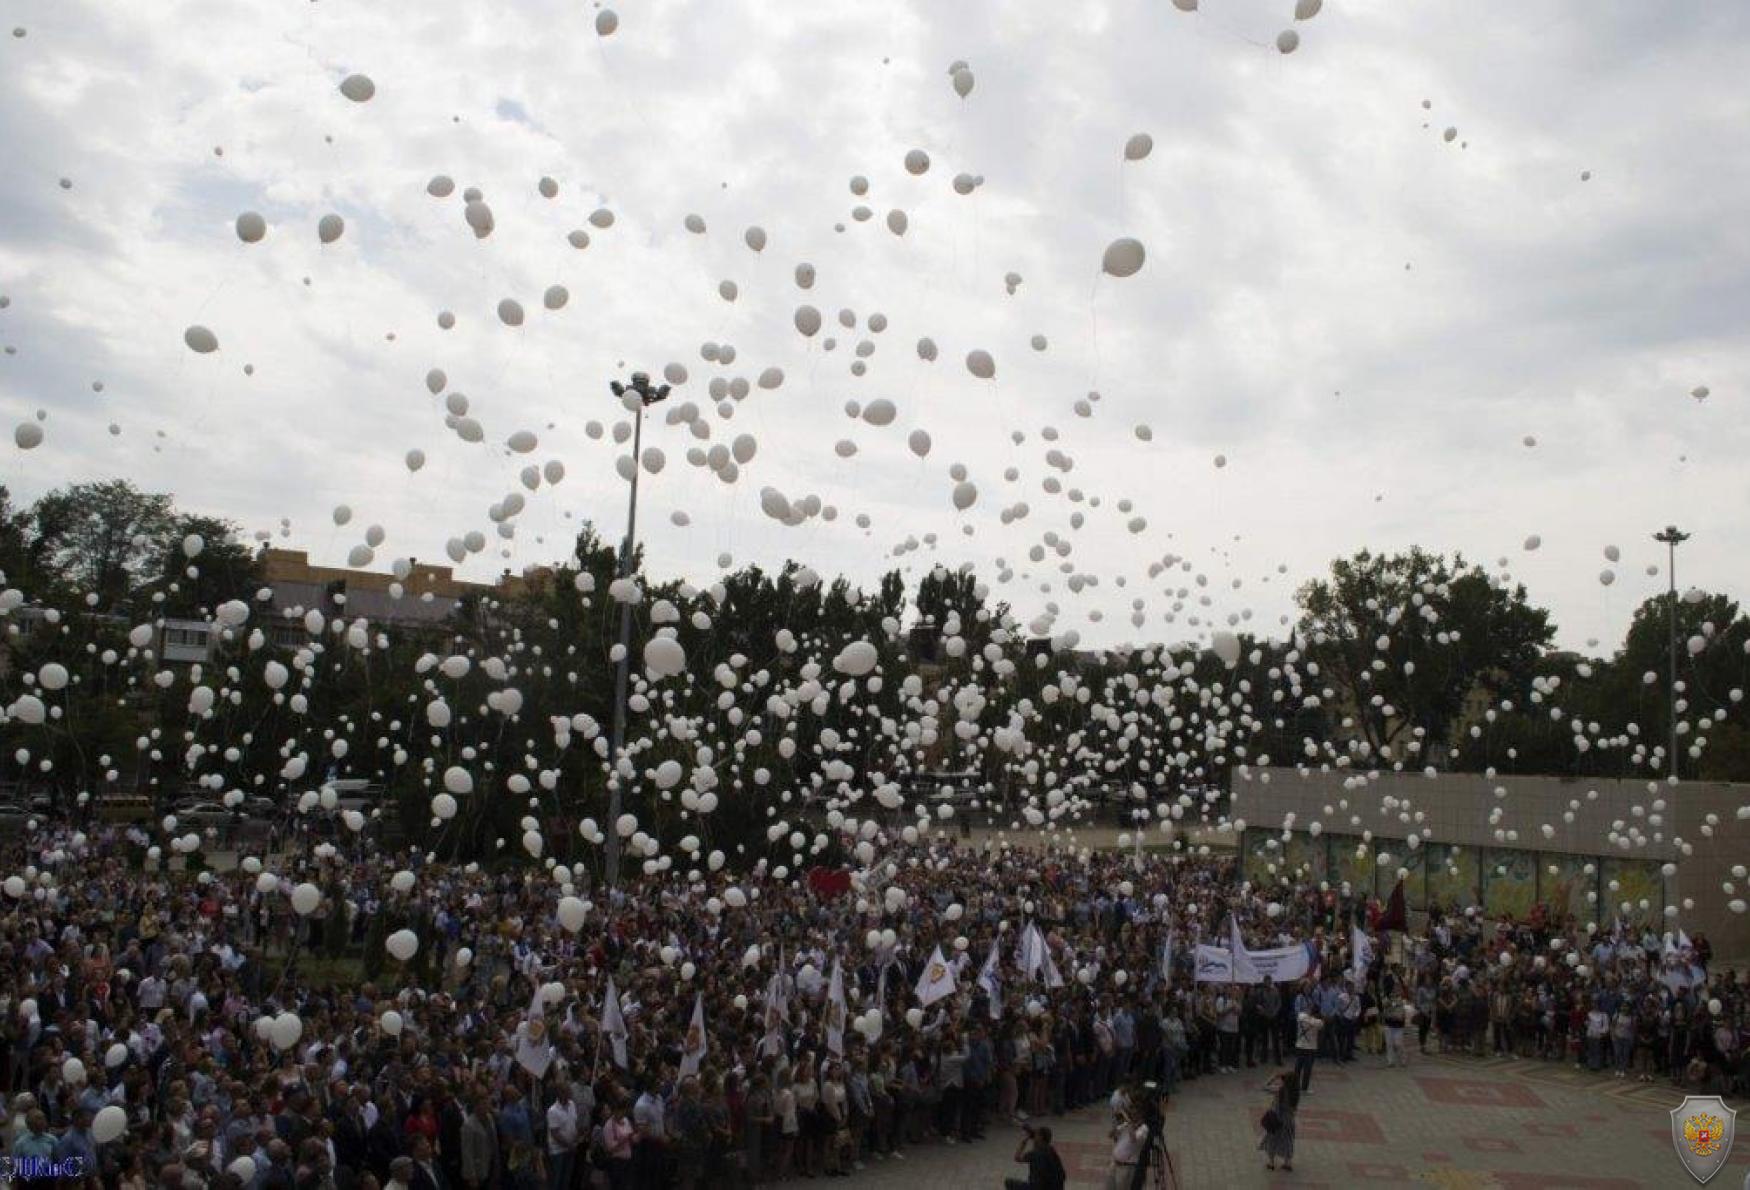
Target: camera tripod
1154, 1166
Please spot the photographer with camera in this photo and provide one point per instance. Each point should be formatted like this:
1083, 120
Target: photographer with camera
1129, 1137
1044, 1167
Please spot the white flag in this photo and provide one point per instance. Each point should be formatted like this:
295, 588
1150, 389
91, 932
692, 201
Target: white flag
1053, 979
1032, 957
1167, 959
937, 981
613, 1024
991, 980
693, 1051
836, 1011
532, 1052
1361, 950
777, 1013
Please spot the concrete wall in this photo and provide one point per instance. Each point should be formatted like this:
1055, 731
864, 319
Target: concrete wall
1455, 808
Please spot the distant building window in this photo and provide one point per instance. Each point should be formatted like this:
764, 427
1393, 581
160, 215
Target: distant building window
194, 638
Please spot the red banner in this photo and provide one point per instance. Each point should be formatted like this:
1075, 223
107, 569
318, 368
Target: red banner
829, 882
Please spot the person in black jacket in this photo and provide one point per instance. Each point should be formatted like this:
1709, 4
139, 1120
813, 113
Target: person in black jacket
383, 1141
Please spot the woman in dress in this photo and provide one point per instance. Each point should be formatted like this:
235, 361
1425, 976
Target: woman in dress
1279, 1142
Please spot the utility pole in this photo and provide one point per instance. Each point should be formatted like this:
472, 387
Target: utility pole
1671, 539
636, 396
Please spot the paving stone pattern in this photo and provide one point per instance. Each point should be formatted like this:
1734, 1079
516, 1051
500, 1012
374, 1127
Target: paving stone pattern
1451, 1122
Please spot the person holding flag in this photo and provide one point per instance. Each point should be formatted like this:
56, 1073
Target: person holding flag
990, 979
693, 1049
837, 1012
613, 1026
937, 981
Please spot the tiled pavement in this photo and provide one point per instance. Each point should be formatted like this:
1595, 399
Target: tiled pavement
1456, 1123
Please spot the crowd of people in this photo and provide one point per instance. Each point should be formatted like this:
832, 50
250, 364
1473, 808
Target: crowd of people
217, 1030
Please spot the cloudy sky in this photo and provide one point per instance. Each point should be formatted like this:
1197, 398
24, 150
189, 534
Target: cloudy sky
1391, 337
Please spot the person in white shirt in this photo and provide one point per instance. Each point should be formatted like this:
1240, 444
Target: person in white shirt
1128, 1139
561, 1138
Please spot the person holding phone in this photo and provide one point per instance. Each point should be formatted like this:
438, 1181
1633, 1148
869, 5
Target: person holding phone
1044, 1167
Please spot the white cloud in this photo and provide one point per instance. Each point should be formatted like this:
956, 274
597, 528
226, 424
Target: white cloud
1283, 199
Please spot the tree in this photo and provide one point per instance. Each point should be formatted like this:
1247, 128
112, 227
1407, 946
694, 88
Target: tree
226, 568
1404, 640
24, 554
1711, 664
104, 536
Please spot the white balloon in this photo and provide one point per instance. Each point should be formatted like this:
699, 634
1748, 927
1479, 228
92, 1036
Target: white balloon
402, 944
285, 1030
1288, 41
358, 88
606, 21
1123, 257
251, 227
109, 1123
1138, 147
305, 898
200, 340
980, 364
391, 1023
856, 659
510, 312
329, 228
572, 912
664, 657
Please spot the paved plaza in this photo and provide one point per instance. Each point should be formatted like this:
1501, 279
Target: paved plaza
1460, 1123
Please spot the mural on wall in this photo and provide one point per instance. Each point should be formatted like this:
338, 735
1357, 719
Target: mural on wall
1262, 850
1453, 876
1509, 882
1415, 864
1633, 889
1304, 857
1502, 882
1563, 883
1352, 864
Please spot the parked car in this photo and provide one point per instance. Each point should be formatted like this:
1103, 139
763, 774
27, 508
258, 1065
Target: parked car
205, 814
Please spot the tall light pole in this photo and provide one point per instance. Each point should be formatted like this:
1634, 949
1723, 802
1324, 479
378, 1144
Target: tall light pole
1671, 539
637, 395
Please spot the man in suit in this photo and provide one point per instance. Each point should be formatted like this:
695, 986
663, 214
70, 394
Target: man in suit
351, 1146
426, 1175
479, 1144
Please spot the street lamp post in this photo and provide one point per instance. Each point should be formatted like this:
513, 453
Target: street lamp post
638, 395
1671, 539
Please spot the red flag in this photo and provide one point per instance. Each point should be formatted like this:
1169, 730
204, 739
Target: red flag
829, 882
1393, 918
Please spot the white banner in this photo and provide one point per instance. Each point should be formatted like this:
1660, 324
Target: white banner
1282, 964
1215, 964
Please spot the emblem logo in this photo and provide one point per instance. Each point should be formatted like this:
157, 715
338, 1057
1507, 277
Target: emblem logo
937, 972
1702, 1130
